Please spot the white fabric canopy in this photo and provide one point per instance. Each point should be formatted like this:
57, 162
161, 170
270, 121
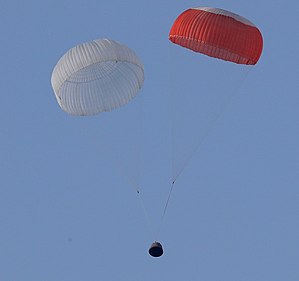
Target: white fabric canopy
97, 76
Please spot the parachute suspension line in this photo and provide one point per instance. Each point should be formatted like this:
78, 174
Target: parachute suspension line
146, 215
135, 186
209, 128
140, 120
172, 109
172, 112
134, 180
167, 201
165, 209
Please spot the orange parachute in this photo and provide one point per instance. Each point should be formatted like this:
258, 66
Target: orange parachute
218, 33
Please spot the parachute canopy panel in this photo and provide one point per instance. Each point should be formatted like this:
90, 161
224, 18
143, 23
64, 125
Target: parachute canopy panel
218, 33
97, 76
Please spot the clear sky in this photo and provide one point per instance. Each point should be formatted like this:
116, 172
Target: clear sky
68, 209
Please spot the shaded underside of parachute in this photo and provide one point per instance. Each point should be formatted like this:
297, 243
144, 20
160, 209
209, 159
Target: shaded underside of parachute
97, 76
218, 33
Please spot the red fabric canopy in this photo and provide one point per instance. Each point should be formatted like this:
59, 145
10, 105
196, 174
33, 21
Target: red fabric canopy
218, 33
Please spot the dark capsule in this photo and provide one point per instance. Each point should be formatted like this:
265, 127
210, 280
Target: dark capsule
156, 250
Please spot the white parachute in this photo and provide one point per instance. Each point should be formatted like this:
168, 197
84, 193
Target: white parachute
96, 76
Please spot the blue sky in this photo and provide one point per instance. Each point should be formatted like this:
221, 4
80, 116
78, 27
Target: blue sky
67, 207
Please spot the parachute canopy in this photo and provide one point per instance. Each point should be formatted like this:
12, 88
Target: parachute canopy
96, 76
218, 33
